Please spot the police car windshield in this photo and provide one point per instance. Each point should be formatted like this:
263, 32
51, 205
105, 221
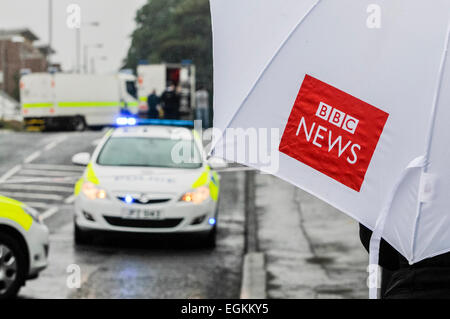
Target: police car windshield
150, 152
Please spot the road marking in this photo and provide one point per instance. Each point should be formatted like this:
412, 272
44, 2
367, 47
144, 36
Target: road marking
49, 213
62, 180
32, 157
53, 174
69, 200
96, 142
48, 147
10, 173
33, 195
37, 204
45, 188
67, 168
34, 172
53, 144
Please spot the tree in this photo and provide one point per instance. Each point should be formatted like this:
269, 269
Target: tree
171, 31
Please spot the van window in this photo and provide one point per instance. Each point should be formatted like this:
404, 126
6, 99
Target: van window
131, 88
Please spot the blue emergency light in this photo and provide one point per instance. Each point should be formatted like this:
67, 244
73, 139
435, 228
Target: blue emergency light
126, 121
132, 121
129, 199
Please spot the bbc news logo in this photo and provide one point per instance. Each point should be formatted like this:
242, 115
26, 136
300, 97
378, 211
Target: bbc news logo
338, 118
333, 132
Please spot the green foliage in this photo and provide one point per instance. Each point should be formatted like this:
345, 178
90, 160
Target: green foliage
171, 31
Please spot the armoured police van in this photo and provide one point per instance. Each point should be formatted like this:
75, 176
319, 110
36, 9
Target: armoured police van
155, 77
75, 101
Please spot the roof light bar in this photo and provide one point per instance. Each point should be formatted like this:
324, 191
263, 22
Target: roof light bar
132, 121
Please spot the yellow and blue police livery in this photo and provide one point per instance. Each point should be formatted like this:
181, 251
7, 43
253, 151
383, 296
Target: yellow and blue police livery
24, 246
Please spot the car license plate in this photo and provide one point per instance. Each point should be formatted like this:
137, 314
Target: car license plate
139, 213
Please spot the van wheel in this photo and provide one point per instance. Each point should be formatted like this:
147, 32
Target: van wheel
78, 124
12, 266
82, 237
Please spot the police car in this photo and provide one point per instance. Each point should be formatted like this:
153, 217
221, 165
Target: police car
147, 179
23, 246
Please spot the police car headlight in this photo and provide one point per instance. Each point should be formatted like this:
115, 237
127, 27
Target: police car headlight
33, 213
197, 196
92, 192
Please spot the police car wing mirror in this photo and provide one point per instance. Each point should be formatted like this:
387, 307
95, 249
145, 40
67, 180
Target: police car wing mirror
217, 163
81, 159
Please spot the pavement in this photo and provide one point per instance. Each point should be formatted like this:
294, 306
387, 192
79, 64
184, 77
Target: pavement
311, 249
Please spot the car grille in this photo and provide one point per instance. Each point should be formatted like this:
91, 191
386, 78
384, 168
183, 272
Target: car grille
139, 223
149, 202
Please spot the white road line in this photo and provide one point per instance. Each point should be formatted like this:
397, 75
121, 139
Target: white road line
10, 173
62, 180
96, 142
55, 167
37, 204
33, 195
29, 159
63, 138
69, 200
53, 144
34, 172
47, 148
49, 213
32, 157
45, 188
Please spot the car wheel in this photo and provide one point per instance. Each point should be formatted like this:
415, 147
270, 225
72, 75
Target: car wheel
12, 266
210, 241
82, 237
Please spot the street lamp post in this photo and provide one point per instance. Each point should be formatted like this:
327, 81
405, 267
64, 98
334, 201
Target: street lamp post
86, 54
50, 32
101, 58
3, 53
78, 43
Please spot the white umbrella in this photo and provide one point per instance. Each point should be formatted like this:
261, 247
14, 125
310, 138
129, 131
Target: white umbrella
358, 91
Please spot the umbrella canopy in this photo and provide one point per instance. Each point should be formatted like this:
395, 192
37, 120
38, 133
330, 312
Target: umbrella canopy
261, 28
352, 111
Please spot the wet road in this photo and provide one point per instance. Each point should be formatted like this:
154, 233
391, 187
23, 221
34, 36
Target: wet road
36, 168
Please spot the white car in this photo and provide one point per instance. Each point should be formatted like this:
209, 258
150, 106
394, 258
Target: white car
147, 179
24, 246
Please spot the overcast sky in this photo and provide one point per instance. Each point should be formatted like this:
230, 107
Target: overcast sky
116, 18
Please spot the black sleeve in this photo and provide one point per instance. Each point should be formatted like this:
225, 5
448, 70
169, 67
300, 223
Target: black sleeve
389, 257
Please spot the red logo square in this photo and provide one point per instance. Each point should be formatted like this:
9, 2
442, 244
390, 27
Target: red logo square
333, 132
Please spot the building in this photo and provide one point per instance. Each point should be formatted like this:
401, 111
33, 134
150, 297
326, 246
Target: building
19, 55
9, 108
